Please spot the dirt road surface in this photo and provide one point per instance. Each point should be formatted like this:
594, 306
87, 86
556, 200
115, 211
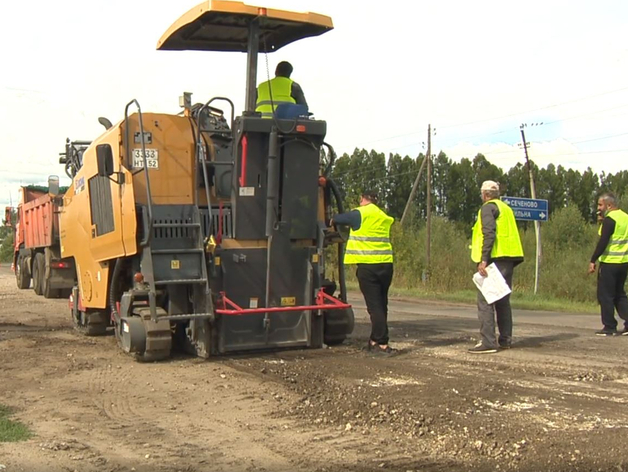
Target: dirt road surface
555, 402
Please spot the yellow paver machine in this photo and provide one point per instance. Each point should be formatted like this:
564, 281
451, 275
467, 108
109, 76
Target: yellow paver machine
205, 230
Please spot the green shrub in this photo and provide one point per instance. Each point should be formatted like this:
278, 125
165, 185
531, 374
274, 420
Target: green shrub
6, 249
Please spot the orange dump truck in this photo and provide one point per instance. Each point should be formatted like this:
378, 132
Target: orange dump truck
37, 251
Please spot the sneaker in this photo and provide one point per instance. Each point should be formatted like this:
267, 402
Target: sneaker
481, 349
623, 332
387, 351
505, 345
607, 332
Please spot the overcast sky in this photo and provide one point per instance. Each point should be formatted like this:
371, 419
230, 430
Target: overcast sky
475, 70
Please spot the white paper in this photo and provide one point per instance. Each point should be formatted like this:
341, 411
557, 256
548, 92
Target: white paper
493, 286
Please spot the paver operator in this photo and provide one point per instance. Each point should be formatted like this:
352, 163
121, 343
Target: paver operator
281, 89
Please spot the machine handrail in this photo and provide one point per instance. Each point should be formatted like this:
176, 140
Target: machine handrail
199, 146
127, 146
226, 100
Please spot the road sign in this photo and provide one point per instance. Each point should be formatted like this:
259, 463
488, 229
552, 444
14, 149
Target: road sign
527, 209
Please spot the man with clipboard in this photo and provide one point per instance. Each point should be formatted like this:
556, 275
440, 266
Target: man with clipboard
495, 240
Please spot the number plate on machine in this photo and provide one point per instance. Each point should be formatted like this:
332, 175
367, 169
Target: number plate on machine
152, 159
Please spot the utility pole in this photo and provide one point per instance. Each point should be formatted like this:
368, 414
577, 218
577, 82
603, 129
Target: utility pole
429, 201
537, 224
414, 189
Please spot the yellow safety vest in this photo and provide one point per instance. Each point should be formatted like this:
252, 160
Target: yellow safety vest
371, 243
616, 251
507, 241
281, 91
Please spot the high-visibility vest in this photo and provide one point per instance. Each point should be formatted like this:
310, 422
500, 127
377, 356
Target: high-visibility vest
371, 243
281, 91
507, 242
616, 251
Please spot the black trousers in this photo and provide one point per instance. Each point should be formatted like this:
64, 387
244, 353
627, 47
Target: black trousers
374, 280
611, 293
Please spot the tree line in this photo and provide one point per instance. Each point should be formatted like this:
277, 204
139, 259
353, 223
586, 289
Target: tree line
455, 186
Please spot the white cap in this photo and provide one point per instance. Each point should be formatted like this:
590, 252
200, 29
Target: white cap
489, 185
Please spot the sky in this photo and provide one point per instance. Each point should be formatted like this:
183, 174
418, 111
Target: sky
474, 71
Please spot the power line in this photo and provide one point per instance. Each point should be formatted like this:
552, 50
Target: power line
379, 179
365, 170
361, 172
584, 152
536, 109
504, 116
569, 142
510, 130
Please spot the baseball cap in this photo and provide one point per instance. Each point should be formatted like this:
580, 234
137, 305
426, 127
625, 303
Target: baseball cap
489, 185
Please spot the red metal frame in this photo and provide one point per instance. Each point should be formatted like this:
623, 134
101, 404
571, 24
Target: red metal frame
321, 298
245, 149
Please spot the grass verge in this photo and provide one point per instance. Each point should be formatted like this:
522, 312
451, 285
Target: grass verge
520, 300
10, 430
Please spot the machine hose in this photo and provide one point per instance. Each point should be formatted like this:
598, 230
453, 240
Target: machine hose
332, 159
341, 246
113, 299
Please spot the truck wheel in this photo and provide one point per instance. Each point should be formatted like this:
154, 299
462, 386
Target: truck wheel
338, 324
38, 273
49, 256
91, 323
47, 291
21, 275
45, 284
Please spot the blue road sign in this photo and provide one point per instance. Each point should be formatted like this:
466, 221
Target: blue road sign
527, 209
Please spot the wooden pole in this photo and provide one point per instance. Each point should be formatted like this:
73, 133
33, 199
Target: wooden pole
537, 224
412, 192
429, 200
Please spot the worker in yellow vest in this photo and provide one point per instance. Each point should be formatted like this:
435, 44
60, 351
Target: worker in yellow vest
370, 249
496, 240
612, 252
282, 89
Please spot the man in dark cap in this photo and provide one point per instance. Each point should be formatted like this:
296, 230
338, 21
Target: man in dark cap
370, 249
281, 89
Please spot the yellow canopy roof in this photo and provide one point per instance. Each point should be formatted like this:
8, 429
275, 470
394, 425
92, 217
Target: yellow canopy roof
220, 25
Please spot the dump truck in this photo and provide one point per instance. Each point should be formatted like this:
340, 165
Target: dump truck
37, 252
202, 230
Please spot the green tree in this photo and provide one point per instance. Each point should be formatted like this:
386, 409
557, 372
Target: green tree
517, 181
401, 174
582, 190
484, 170
419, 208
440, 178
463, 193
551, 187
6, 248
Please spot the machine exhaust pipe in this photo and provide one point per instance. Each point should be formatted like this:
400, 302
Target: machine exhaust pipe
272, 182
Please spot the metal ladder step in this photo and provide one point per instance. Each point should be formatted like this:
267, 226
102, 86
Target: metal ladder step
190, 316
178, 251
181, 281
176, 225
